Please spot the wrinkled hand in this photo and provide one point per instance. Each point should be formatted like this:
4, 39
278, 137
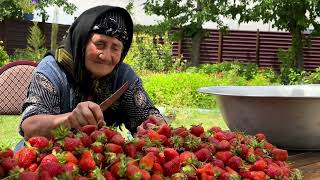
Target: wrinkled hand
85, 113
151, 122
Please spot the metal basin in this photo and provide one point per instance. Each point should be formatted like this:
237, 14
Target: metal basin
288, 115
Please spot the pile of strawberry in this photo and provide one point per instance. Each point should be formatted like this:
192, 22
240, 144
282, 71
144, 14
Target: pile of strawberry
156, 152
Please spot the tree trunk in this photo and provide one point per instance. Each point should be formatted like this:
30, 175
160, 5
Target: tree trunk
297, 48
195, 52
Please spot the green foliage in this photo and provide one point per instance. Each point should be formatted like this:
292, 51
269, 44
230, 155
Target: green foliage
43, 5
287, 66
146, 53
294, 16
35, 48
180, 89
4, 57
15, 8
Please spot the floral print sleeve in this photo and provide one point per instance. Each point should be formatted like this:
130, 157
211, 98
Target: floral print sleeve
42, 98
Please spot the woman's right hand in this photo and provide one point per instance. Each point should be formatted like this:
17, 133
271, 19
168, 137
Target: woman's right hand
85, 113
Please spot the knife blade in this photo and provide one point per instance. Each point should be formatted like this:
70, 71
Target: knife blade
110, 100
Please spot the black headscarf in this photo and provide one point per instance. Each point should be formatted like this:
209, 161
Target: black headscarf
71, 55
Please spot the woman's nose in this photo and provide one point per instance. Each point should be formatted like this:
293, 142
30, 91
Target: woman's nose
105, 54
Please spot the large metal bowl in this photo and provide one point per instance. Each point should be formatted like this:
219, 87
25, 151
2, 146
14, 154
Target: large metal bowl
288, 115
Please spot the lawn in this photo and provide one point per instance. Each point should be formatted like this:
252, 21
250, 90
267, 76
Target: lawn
180, 117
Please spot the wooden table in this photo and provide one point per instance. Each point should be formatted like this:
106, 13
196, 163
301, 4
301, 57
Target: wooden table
307, 162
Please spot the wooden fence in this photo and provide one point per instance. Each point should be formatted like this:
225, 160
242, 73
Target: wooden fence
246, 46
14, 33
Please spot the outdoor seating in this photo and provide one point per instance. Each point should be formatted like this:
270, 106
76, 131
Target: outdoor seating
14, 81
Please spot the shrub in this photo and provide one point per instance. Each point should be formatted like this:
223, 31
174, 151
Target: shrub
153, 53
35, 49
4, 57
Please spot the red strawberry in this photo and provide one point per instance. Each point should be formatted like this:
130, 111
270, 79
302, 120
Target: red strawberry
157, 168
9, 163
133, 172
203, 155
139, 142
220, 136
153, 150
224, 155
39, 142
260, 136
98, 136
86, 162
26, 156
49, 158
85, 139
229, 174
170, 153
109, 176
258, 175
224, 145
156, 177
259, 165
164, 140
97, 147
279, 154
117, 139
186, 157
99, 158
268, 146
171, 167
218, 163
250, 156
109, 132
180, 131
274, 171
45, 175
147, 161
70, 144
6, 153
88, 129
259, 152
234, 163
130, 149
152, 135
207, 169
145, 175
27, 175
164, 130
33, 167
197, 130
110, 147
215, 129
69, 157
53, 168
69, 167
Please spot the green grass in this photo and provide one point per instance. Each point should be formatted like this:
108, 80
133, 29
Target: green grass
9, 130
182, 117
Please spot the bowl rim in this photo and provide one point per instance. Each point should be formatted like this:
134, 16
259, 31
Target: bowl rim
223, 91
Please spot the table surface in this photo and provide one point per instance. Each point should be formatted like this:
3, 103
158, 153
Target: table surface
308, 163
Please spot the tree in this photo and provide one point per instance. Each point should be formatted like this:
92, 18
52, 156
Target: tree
41, 5
294, 16
17, 8
187, 17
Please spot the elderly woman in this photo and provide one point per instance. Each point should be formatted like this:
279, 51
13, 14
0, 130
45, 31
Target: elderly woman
68, 85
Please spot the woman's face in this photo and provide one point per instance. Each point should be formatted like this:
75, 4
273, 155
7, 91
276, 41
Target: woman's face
102, 54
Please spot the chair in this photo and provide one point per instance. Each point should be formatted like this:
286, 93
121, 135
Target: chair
14, 80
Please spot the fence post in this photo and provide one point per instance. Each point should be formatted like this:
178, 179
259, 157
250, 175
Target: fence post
220, 47
179, 47
257, 47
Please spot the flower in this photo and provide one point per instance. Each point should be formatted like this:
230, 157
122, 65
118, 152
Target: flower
35, 1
